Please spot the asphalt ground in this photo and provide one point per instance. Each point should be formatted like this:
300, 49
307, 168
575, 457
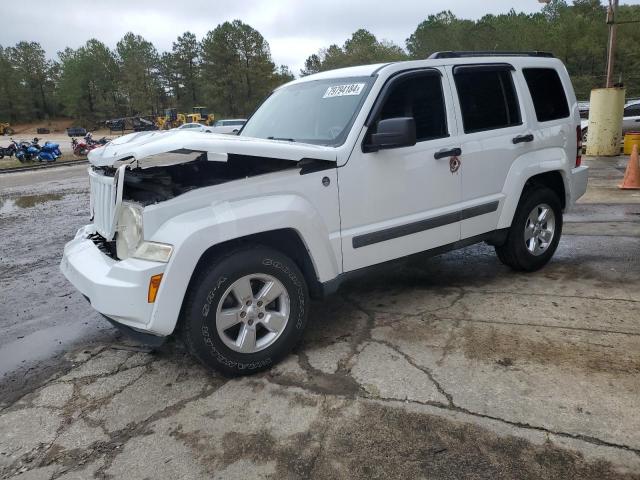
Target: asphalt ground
448, 367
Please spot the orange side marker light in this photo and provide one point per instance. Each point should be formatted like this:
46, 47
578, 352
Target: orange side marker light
154, 285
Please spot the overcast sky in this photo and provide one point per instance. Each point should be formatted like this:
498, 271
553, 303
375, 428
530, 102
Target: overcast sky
294, 28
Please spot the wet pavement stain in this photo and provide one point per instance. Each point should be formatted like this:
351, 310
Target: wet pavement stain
386, 442
11, 205
568, 350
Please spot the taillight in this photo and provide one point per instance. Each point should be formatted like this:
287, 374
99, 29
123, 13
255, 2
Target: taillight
578, 146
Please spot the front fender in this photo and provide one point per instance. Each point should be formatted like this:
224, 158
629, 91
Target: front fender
525, 167
194, 232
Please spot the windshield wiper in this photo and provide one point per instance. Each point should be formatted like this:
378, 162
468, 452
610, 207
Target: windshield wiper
281, 138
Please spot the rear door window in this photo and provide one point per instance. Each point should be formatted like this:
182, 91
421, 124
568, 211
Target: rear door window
488, 98
547, 93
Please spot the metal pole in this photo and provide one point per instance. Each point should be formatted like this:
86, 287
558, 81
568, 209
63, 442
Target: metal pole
611, 20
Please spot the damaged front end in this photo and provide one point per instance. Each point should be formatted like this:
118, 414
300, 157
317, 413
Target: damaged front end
147, 168
158, 183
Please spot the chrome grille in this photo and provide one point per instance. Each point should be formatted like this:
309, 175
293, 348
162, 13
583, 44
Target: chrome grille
104, 200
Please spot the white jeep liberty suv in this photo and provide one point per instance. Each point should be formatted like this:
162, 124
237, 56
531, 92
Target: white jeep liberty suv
225, 238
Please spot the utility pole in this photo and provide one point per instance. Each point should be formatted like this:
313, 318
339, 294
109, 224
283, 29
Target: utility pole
611, 21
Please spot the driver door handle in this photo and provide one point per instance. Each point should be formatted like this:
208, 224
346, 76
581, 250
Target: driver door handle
446, 153
523, 139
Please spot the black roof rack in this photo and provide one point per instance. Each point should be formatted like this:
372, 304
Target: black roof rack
490, 53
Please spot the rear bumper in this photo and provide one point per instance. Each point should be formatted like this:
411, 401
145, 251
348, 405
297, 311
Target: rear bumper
578, 183
116, 289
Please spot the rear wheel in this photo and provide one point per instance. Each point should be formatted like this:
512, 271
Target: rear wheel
535, 231
245, 311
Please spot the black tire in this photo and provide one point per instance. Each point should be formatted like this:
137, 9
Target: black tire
514, 252
207, 288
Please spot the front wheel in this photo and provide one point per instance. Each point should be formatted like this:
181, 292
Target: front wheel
535, 231
245, 311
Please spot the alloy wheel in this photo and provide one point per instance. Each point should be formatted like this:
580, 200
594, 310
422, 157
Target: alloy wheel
253, 313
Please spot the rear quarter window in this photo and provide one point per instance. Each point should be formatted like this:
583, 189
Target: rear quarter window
547, 93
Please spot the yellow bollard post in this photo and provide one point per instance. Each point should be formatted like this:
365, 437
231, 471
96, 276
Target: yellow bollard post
605, 121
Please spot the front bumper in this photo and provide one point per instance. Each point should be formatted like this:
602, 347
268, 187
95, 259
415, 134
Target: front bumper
116, 289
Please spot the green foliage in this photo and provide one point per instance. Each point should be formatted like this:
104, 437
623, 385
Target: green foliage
88, 86
361, 49
138, 63
237, 69
576, 34
28, 79
231, 70
13, 95
184, 62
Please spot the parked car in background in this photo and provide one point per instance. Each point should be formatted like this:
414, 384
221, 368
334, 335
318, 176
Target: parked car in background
583, 108
630, 120
194, 127
230, 126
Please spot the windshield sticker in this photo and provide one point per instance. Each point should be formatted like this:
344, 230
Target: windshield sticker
343, 90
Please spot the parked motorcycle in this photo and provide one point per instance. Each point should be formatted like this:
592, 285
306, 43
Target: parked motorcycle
33, 151
9, 151
81, 149
48, 153
24, 151
88, 139
27, 152
49, 146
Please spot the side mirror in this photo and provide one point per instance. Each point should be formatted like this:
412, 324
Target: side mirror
393, 133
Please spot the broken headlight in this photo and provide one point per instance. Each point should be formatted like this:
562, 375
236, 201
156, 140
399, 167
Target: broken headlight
129, 230
157, 252
129, 237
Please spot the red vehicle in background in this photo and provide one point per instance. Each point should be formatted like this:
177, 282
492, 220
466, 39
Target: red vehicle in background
81, 149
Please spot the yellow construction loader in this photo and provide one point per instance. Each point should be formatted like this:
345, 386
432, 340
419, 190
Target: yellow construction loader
201, 115
171, 119
5, 129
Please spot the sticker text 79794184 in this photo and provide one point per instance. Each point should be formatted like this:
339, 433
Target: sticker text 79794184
342, 90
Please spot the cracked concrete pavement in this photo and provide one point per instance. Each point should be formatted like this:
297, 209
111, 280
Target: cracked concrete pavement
449, 367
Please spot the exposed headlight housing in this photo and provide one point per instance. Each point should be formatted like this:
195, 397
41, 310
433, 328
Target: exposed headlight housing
129, 230
154, 251
129, 237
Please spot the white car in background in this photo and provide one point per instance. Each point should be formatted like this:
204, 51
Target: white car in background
230, 127
194, 127
630, 120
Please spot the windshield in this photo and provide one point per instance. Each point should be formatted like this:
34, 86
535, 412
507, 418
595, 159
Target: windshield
319, 111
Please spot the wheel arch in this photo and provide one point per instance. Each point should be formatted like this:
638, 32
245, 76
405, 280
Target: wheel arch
287, 241
525, 175
553, 180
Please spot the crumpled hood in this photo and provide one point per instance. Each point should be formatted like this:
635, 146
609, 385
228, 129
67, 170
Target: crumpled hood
145, 144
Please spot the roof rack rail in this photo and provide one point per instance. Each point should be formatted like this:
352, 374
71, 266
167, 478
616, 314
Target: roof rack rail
489, 53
